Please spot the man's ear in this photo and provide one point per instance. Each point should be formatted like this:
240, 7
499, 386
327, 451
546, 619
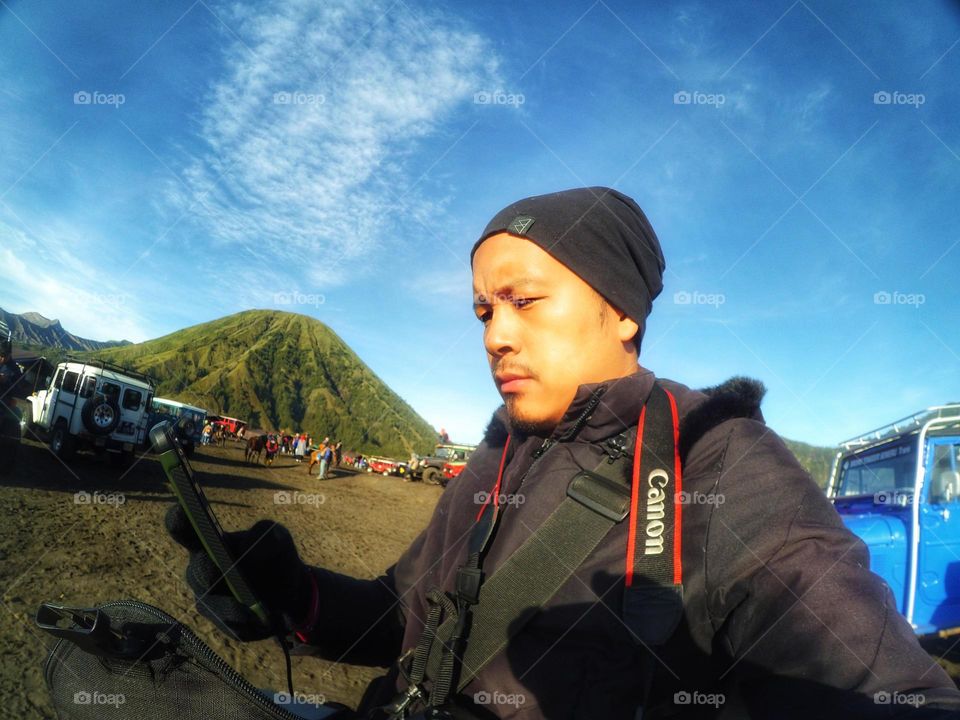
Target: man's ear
627, 328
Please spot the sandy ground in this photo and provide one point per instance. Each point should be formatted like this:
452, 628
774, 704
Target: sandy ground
54, 548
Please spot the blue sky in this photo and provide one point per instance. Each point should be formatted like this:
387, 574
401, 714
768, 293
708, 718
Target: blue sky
170, 164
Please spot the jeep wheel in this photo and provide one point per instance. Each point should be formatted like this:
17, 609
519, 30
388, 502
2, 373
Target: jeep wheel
100, 415
186, 427
431, 475
61, 442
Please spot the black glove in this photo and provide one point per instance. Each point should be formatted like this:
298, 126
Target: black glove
268, 561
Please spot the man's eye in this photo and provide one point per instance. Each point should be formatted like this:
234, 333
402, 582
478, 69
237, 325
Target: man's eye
523, 302
484, 317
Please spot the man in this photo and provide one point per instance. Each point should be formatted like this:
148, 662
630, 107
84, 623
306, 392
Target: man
778, 615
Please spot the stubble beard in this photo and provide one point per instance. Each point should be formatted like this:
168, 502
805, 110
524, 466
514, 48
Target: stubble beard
526, 426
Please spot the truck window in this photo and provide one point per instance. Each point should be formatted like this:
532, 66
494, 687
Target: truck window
131, 399
70, 381
111, 390
884, 469
58, 379
946, 461
87, 386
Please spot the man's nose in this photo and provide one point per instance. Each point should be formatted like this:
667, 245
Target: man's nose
501, 335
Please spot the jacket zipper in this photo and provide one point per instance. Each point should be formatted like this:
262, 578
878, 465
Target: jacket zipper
202, 652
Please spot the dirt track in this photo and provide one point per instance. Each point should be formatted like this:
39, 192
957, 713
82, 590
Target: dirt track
54, 548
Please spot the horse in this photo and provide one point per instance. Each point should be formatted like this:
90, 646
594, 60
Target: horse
254, 447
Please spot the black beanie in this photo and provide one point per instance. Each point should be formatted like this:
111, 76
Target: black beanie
598, 233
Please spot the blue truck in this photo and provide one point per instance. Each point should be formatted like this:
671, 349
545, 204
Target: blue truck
898, 489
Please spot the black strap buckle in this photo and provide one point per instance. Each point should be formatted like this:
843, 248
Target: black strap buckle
600, 494
468, 584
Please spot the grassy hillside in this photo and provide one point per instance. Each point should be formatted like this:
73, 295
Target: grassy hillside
817, 461
282, 371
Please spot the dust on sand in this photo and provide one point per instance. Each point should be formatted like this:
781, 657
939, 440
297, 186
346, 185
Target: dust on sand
110, 544
56, 546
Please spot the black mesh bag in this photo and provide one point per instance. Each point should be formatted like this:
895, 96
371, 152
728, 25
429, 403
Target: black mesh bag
127, 659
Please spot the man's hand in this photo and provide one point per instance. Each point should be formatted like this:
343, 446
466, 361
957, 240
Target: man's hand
268, 560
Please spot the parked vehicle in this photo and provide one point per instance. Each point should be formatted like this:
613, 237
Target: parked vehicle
230, 425
430, 468
451, 469
187, 421
93, 404
898, 488
384, 466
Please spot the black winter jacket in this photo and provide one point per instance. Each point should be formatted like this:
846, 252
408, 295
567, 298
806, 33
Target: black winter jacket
782, 616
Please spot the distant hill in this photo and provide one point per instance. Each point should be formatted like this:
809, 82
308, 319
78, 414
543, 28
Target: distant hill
34, 329
281, 371
818, 461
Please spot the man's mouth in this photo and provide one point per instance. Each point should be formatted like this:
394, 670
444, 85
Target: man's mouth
512, 382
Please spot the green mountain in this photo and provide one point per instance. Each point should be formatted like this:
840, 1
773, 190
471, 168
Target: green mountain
281, 371
34, 330
818, 461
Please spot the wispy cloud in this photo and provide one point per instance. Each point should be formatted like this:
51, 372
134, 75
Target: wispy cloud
309, 133
45, 276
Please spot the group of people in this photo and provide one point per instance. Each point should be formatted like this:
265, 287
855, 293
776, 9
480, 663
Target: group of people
328, 454
214, 433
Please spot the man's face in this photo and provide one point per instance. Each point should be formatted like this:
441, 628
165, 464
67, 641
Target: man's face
546, 332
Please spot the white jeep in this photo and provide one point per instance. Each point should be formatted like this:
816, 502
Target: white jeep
94, 404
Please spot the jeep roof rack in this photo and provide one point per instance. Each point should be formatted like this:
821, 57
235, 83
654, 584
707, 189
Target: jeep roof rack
113, 367
949, 414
